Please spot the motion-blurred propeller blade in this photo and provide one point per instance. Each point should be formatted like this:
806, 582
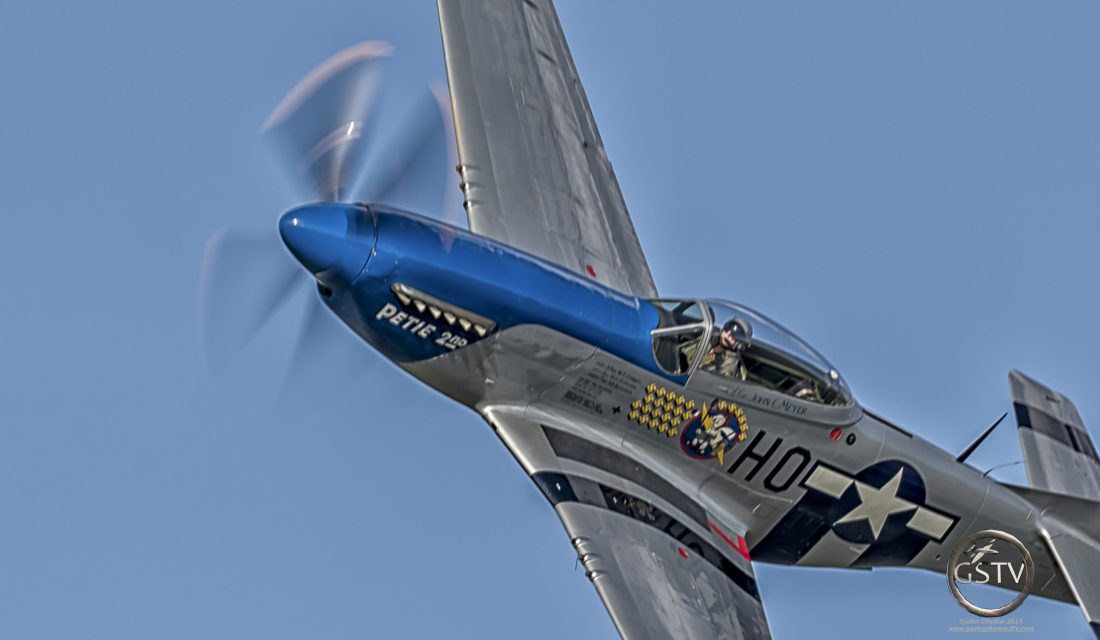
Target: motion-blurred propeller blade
413, 171
321, 129
328, 360
244, 279
322, 132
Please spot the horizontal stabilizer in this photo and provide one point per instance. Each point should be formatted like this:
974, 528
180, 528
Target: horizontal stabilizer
1077, 556
1058, 452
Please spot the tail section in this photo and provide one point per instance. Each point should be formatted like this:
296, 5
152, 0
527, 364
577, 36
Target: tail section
1058, 452
1064, 472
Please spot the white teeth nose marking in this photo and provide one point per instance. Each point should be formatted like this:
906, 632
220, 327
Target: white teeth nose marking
422, 302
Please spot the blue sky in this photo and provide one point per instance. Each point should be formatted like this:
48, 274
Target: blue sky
910, 186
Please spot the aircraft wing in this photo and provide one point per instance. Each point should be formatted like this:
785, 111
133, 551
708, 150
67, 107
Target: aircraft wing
663, 568
533, 168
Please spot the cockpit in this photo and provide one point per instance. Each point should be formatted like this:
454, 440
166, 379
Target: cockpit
728, 340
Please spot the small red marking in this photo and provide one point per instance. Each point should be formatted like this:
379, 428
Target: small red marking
740, 546
835, 434
743, 547
683, 553
590, 269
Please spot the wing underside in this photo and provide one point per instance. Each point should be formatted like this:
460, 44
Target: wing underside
661, 566
532, 164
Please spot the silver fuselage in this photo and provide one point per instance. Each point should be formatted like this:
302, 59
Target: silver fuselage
529, 372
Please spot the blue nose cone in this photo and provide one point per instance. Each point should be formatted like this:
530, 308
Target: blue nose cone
332, 241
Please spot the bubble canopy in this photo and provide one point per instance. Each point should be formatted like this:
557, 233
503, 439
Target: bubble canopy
769, 332
770, 335
689, 340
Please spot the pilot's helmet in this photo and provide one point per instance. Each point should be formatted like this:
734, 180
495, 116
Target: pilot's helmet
740, 329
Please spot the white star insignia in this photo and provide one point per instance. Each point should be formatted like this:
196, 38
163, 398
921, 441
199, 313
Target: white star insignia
877, 504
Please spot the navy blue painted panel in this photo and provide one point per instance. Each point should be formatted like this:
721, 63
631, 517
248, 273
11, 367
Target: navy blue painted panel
492, 280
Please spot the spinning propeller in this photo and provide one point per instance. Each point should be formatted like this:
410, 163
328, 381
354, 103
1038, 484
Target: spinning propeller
327, 136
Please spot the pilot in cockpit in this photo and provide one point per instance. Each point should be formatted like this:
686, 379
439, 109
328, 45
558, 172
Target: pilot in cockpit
724, 358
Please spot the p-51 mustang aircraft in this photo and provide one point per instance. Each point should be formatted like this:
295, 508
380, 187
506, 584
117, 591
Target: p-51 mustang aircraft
678, 440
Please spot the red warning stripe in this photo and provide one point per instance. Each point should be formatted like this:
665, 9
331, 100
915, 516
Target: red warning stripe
740, 546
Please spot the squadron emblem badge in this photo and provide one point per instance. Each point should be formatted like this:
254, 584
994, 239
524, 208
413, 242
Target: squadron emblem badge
714, 430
